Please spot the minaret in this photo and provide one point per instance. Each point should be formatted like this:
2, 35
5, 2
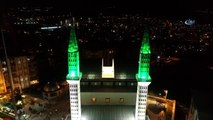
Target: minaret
143, 78
74, 76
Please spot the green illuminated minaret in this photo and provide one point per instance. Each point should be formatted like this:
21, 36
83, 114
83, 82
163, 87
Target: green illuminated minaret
144, 60
74, 76
143, 78
73, 57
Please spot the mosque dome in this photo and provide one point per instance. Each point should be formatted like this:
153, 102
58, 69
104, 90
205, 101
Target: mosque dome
51, 86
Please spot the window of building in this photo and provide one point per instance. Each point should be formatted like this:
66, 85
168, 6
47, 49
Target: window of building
95, 83
121, 100
107, 83
93, 99
84, 83
107, 100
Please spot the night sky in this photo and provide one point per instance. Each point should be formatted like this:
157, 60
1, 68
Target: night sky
156, 7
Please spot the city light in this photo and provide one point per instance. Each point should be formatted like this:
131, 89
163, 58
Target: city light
189, 22
122, 76
50, 28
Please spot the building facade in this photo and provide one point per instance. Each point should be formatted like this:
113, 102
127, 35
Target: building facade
20, 72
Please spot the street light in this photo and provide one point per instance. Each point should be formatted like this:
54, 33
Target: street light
166, 93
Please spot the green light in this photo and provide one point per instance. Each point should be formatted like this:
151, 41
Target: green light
145, 47
91, 76
73, 45
122, 76
144, 60
73, 74
73, 57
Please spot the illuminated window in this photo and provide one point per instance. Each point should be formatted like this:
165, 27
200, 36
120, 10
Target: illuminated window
121, 100
93, 99
107, 100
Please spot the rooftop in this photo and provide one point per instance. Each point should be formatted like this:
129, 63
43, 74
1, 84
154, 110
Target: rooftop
107, 113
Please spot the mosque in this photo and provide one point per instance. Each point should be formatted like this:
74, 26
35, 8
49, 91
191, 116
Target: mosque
108, 95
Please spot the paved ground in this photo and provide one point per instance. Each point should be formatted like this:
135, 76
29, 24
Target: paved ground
46, 110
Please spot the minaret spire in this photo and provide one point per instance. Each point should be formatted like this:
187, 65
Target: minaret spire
144, 59
74, 75
143, 78
73, 56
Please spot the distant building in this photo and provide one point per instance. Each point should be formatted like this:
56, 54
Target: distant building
20, 72
33, 70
